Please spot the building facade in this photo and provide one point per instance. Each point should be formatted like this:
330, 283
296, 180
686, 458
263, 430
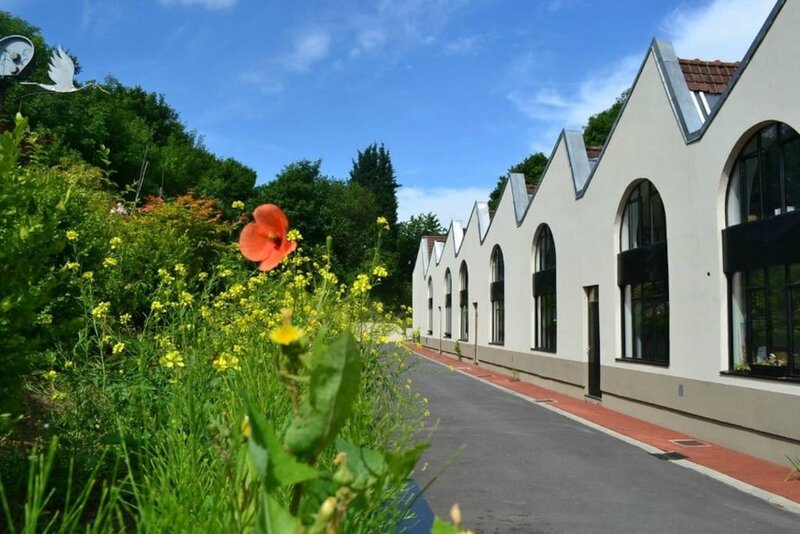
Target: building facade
661, 278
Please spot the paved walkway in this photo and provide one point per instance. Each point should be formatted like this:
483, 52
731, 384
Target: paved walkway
534, 467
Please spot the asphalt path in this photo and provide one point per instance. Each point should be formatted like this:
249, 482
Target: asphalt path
526, 469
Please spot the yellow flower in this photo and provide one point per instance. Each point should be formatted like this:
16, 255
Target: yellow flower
72, 235
88, 275
225, 273
165, 276
50, 375
293, 235
202, 276
172, 359
101, 310
225, 362
426, 413
361, 285
68, 364
109, 262
186, 298
125, 318
383, 223
245, 427
286, 334
156, 306
180, 269
118, 348
73, 265
380, 271
237, 205
115, 242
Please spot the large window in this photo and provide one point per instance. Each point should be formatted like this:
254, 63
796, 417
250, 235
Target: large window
448, 304
463, 302
544, 291
643, 276
762, 255
430, 306
497, 295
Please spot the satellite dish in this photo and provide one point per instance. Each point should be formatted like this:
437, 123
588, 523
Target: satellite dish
16, 54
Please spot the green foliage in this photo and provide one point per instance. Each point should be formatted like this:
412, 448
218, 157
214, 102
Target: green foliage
32, 205
532, 167
599, 125
408, 235
373, 170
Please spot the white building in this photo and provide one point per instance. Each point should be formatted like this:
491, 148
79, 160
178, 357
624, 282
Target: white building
662, 278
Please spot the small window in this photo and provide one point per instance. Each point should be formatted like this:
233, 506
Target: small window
430, 306
448, 304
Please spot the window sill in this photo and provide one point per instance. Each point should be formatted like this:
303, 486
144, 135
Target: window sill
541, 349
429, 333
464, 339
497, 343
447, 336
642, 362
789, 379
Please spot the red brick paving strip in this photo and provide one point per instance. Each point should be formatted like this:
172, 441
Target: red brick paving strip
762, 474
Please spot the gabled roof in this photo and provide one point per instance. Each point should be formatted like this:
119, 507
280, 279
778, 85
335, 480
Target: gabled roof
431, 241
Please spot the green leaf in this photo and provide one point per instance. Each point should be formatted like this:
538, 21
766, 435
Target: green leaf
335, 377
273, 464
366, 465
401, 463
443, 527
275, 519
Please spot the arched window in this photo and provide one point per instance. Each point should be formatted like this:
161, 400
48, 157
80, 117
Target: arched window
643, 276
762, 254
544, 291
430, 306
497, 294
463, 302
448, 304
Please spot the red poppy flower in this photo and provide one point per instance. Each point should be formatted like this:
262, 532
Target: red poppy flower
264, 239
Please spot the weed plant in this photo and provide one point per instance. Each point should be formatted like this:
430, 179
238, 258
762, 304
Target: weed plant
158, 377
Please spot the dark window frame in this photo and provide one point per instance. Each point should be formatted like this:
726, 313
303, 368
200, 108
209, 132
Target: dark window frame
497, 296
643, 276
770, 279
448, 304
545, 300
463, 276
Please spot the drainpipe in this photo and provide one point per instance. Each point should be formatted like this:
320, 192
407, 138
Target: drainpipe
440, 329
475, 333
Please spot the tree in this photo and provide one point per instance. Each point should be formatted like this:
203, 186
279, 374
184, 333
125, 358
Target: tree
599, 126
373, 170
532, 167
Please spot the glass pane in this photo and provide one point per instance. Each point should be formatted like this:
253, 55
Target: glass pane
794, 274
646, 231
648, 322
661, 321
659, 221
770, 172
757, 350
752, 194
751, 147
777, 309
636, 335
796, 331
791, 167
755, 278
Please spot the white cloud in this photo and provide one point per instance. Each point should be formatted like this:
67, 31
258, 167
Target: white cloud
208, 4
309, 48
261, 81
447, 203
464, 45
572, 109
722, 29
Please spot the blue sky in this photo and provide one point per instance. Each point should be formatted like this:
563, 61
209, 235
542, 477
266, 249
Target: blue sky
457, 90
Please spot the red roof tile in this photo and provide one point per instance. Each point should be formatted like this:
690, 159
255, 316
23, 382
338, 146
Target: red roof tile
593, 151
707, 76
431, 240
